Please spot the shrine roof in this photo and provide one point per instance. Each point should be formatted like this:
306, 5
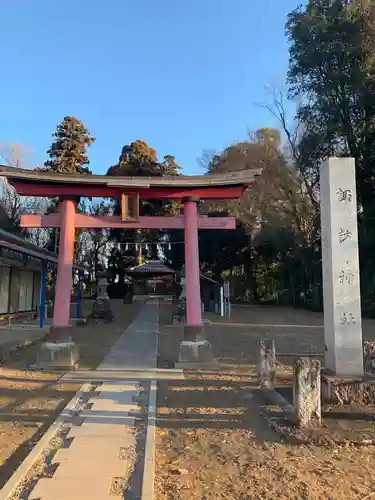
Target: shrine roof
229, 185
151, 267
244, 178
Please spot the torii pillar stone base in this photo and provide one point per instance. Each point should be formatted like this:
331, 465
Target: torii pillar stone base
195, 350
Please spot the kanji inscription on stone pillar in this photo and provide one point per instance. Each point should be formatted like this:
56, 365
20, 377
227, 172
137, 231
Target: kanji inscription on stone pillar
341, 281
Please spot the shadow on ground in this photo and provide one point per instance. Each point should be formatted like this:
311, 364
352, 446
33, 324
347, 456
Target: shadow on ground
31, 400
213, 442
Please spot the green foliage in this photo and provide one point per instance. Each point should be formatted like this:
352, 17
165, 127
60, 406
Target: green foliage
332, 71
68, 152
170, 167
138, 159
332, 65
220, 250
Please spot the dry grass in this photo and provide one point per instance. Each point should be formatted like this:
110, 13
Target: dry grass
213, 442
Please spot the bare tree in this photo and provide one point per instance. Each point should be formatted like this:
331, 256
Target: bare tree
296, 133
278, 197
19, 156
92, 244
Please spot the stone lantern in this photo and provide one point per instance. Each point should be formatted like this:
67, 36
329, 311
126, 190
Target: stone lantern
102, 286
101, 308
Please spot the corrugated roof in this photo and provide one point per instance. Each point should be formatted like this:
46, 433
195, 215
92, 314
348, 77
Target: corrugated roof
18, 244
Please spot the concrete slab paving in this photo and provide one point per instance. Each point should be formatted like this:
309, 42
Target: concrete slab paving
96, 430
71, 490
103, 451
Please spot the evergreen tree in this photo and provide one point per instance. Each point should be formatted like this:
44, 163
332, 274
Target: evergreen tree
138, 159
332, 71
170, 167
68, 152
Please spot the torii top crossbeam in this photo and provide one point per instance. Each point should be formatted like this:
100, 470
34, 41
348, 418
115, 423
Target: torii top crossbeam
217, 186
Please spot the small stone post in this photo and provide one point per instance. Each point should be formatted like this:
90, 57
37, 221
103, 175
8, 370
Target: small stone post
306, 392
267, 363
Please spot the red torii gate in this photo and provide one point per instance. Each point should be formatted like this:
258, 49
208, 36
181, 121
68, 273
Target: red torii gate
69, 188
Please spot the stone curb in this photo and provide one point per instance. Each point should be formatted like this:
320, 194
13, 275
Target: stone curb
20, 473
148, 479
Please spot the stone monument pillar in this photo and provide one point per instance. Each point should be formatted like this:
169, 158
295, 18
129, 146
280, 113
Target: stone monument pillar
341, 290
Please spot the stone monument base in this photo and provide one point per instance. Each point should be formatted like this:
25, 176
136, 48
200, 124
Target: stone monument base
348, 390
196, 355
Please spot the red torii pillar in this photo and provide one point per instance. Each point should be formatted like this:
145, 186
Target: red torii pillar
192, 269
195, 350
64, 282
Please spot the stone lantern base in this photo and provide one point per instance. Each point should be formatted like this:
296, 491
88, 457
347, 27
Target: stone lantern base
101, 309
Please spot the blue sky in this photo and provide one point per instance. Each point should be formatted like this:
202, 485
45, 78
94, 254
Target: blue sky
185, 76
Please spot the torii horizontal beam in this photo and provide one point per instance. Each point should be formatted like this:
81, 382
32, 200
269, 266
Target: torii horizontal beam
96, 222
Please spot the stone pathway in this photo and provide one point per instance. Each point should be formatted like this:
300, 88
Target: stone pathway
105, 458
